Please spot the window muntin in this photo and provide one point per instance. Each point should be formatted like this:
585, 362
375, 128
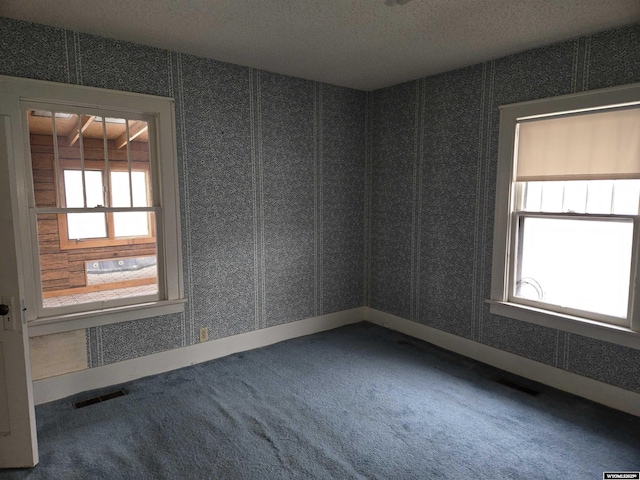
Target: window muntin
567, 211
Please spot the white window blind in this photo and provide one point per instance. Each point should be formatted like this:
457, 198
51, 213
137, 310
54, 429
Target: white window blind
594, 146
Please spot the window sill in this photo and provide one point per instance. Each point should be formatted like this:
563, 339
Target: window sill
107, 316
567, 323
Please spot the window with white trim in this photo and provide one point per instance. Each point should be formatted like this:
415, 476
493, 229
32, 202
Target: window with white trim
100, 207
567, 211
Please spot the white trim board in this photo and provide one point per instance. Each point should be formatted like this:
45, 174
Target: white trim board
600, 392
61, 386
55, 388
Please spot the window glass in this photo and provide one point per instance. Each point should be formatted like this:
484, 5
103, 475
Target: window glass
130, 224
120, 191
575, 263
626, 197
599, 196
552, 195
84, 225
533, 196
575, 196
619, 197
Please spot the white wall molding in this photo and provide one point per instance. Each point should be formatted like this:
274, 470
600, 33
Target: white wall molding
61, 386
585, 387
54, 388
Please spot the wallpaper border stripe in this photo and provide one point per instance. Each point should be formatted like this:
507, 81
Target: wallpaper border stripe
315, 200
487, 210
88, 336
416, 230
587, 60
574, 66
477, 240
368, 195
175, 85
77, 57
169, 75
318, 198
189, 336
258, 213
66, 54
263, 284
254, 203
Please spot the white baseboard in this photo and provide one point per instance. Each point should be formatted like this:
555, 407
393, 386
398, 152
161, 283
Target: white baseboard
61, 386
594, 390
54, 388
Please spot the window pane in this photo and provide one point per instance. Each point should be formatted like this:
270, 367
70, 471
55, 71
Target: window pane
621, 197
131, 224
121, 270
575, 196
69, 155
626, 197
73, 188
86, 225
533, 198
43, 157
599, 196
552, 193
93, 184
139, 188
93, 142
578, 264
96, 274
120, 189
102, 278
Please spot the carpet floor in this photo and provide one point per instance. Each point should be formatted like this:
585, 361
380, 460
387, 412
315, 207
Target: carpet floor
357, 402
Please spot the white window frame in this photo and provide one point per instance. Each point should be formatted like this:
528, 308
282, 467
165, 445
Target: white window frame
16, 95
503, 246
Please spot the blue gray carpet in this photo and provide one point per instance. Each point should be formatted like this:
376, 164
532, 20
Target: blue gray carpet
355, 402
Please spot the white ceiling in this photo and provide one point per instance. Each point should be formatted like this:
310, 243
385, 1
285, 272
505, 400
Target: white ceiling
363, 44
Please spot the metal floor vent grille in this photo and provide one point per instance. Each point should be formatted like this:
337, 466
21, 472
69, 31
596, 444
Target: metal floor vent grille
515, 386
102, 398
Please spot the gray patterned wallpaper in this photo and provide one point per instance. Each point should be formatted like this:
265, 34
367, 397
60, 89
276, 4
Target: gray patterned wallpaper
430, 208
300, 198
271, 182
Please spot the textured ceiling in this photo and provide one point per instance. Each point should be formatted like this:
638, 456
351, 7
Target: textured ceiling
363, 44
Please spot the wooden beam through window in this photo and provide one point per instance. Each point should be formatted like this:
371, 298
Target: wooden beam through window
135, 130
75, 134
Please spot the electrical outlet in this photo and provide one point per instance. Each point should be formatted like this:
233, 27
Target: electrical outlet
204, 334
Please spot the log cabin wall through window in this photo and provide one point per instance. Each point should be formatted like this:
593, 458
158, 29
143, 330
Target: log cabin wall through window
93, 199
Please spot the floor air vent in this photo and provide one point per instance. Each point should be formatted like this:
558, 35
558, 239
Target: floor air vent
102, 398
515, 386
